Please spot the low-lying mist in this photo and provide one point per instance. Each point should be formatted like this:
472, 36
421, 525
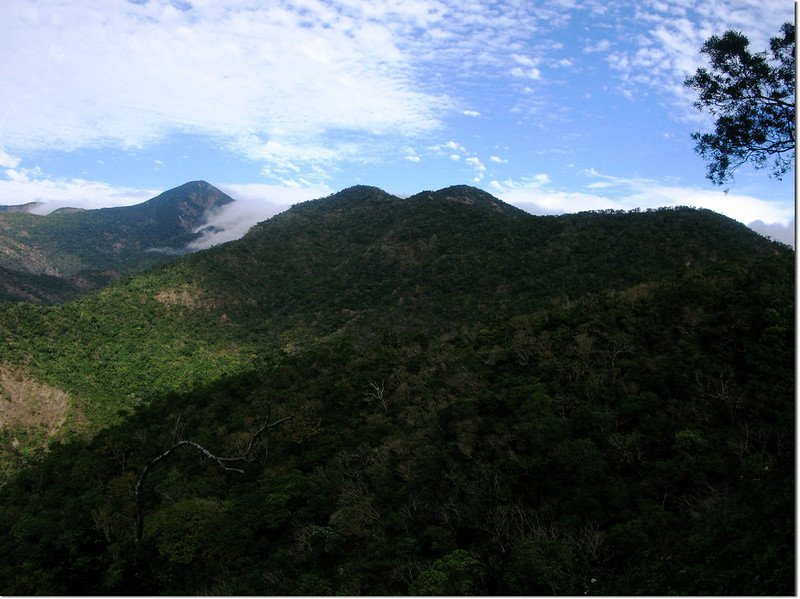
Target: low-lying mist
254, 203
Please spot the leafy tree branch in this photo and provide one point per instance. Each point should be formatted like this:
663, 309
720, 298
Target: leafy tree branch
752, 97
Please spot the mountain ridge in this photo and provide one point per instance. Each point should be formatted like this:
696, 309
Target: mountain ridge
466, 194
59, 252
450, 399
28, 207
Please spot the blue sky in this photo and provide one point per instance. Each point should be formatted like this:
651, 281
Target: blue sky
552, 105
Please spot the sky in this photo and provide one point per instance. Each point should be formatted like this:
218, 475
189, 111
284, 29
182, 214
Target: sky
551, 105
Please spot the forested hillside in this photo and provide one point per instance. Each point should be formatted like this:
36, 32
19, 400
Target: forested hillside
453, 397
61, 256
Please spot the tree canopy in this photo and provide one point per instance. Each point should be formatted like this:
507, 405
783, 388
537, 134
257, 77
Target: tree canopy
752, 99
471, 400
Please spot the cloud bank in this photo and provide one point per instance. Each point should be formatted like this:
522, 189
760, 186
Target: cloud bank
254, 203
272, 81
24, 186
538, 195
264, 78
778, 232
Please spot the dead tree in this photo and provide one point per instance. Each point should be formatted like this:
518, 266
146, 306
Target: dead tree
224, 462
377, 393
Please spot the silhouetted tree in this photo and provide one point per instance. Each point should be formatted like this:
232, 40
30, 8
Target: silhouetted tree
752, 98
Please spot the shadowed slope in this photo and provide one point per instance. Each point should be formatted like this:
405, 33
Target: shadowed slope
482, 402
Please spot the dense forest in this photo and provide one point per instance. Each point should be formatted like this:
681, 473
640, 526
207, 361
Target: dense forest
434, 395
65, 254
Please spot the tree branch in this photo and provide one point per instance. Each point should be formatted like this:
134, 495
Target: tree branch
752, 100
221, 461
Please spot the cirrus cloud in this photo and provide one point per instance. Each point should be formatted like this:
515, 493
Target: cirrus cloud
234, 71
676, 29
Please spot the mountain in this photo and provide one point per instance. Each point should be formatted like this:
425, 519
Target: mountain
62, 255
433, 395
456, 253
29, 207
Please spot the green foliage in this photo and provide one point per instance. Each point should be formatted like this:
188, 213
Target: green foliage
540, 414
67, 253
457, 573
184, 529
542, 567
752, 99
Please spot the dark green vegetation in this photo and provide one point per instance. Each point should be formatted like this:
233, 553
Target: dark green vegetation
751, 96
61, 256
481, 402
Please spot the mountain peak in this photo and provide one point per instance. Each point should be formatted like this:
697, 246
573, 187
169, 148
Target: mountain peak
67, 210
187, 204
362, 193
351, 197
195, 193
465, 194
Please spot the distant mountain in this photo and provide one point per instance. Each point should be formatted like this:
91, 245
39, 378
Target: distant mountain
69, 251
30, 206
16, 285
67, 210
466, 399
458, 245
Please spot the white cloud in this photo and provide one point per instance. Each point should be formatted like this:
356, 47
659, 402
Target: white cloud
7, 160
541, 178
448, 148
498, 160
776, 231
277, 195
452, 145
600, 46
297, 74
536, 194
478, 167
526, 61
411, 155
744, 208
32, 186
532, 196
285, 159
90, 74
254, 203
649, 193
599, 185
455, 151
19, 175
532, 73
670, 50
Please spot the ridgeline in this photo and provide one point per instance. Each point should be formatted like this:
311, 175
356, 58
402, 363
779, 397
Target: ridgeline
476, 401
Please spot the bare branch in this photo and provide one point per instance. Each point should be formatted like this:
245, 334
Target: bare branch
377, 392
221, 461
176, 430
